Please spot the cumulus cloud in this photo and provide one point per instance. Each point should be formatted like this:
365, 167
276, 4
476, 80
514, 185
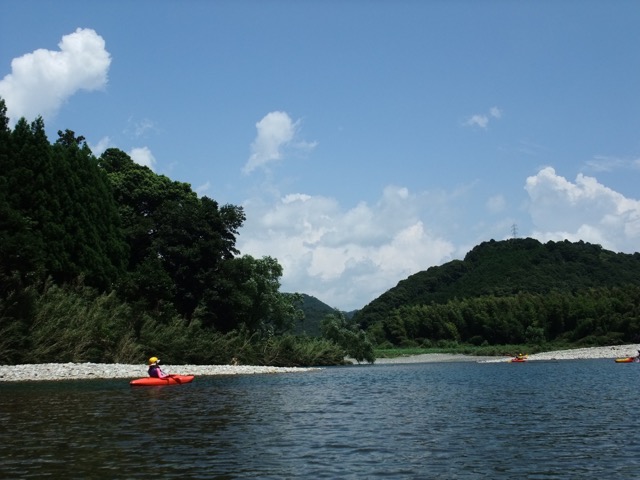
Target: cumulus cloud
143, 156
345, 257
481, 120
276, 133
41, 82
582, 210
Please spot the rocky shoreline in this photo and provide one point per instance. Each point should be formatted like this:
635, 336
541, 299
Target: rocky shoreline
83, 371
612, 352
79, 371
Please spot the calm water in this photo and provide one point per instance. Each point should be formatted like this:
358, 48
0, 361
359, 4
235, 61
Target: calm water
540, 420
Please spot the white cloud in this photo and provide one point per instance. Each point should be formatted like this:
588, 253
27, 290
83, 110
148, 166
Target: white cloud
99, 148
140, 128
477, 120
584, 210
276, 132
202, 189
482, 120
495, 112
602, 163
346, 258
41, 82
143, 156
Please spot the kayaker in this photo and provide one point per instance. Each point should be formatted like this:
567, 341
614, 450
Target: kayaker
154, 368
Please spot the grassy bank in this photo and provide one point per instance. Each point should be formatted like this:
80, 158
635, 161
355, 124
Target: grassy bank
481, 351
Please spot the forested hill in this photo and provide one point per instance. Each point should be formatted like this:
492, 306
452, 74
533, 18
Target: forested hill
314, 312
506, 268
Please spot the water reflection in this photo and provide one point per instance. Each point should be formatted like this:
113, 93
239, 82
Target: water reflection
544, 420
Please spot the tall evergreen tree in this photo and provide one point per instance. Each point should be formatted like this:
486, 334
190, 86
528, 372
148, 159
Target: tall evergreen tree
26, 196
59, 215
88, 214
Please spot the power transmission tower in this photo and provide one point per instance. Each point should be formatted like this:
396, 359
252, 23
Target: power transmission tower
514, 231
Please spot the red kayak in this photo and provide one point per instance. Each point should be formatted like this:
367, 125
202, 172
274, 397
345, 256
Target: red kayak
154, 382
518, 359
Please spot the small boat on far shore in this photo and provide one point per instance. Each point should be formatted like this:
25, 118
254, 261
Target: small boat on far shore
627, 360
518, 359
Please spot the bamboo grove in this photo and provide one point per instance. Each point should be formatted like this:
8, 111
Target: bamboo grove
605, 316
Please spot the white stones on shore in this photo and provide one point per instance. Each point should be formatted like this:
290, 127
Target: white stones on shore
68, 371
78, 371
616, 351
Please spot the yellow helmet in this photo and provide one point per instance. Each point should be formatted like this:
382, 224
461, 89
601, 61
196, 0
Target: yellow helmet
153, 360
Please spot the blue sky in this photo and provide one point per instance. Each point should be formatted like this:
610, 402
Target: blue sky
366, 141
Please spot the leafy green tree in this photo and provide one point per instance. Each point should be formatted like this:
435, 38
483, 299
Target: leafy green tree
250, 296
179, 244
347, 335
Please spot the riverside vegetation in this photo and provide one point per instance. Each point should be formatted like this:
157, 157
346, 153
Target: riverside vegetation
518, 292
102, 260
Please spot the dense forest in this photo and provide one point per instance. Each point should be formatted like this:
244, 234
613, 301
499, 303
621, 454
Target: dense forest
517, 291
103, 260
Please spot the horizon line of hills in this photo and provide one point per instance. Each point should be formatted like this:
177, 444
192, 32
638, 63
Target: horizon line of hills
507, 269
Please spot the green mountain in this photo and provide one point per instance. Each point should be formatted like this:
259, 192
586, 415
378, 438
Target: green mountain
314, 311
512, 269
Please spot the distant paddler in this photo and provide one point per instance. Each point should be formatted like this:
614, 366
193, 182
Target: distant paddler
521, 357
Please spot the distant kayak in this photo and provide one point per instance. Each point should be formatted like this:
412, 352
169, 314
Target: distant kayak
154, 382
626, 360
518, 359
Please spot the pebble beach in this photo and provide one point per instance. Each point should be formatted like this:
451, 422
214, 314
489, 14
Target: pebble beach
80, 371
84, 371
612, 352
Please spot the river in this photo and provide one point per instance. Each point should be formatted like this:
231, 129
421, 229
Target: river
463, 420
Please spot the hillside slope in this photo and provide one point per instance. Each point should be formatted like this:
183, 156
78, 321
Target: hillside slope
509, 267
314, 311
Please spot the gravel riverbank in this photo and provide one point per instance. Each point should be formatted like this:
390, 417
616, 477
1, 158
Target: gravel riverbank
69, 371
573, 354
78, 371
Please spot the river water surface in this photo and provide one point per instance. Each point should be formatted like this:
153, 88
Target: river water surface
538, 420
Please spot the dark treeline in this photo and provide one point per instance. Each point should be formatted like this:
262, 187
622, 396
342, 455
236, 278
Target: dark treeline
516, 291
605, 316
101, 259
